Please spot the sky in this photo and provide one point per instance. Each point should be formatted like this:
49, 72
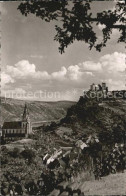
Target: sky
33, 68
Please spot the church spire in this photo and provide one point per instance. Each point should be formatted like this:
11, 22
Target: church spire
25, 113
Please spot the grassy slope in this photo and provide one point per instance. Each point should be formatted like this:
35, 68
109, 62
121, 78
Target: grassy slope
12, 109
114, 184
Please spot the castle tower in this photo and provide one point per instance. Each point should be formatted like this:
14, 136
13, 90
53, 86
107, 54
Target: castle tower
26, 121
103, 86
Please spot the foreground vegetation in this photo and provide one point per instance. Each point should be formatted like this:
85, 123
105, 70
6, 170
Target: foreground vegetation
25, 173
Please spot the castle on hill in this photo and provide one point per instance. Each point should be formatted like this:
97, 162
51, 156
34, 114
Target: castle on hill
100, 87
97, 91
16, 130
100, 91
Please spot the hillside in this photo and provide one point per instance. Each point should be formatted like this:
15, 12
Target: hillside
96, 187
106, 119
12, 109
104, 187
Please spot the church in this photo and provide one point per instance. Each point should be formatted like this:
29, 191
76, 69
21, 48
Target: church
16, 130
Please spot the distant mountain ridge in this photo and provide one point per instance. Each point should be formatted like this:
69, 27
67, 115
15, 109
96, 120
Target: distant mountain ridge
12, 109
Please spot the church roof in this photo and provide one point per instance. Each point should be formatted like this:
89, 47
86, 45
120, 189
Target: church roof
12, 125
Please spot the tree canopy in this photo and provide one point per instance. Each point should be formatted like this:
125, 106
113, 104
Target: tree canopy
77, 21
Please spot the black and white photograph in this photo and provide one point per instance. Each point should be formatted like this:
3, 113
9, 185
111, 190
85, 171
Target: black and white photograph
63, 98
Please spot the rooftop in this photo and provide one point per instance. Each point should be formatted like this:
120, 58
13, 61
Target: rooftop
12, 125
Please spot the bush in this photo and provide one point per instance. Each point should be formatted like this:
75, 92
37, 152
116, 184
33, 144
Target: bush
28, 154
4, 149
15, 153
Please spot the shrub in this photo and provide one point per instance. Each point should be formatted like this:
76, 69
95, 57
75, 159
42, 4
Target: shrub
15, 153
28, 154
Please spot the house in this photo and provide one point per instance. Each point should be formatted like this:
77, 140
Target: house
81, 144
17, 130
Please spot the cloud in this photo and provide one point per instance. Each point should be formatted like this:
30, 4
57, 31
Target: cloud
6, 79
60, 75
110, 68
74, 72
114, 62
113, 70
91, 66
24, 69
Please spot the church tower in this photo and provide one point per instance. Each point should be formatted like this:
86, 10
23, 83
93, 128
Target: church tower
26, 125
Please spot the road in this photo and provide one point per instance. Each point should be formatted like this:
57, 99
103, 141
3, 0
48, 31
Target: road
41, 123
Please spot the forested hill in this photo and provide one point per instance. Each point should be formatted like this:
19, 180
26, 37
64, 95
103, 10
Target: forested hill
12, 109
106, 119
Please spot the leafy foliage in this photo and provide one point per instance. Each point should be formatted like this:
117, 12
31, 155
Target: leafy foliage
25, 173
28, 154
17, 174
14, 153
109, 126
76, 20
